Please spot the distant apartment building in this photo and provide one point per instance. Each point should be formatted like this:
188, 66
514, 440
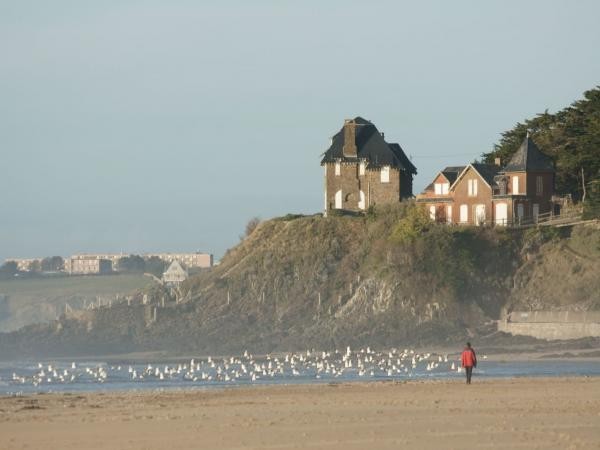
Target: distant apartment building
102, 263
24, 264
88, 265
190, 260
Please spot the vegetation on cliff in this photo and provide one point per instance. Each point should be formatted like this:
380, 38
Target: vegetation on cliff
384, 279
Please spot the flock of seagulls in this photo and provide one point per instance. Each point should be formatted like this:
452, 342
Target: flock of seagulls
246, 368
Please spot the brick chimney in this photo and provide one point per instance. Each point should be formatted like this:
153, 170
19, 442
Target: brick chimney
497, 162
349, 149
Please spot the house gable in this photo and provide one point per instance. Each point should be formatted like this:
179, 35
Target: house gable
485, 172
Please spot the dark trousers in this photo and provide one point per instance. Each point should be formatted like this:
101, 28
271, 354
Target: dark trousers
469, 372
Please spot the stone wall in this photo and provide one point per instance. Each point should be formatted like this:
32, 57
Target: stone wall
552, 325
551, 331
351, 183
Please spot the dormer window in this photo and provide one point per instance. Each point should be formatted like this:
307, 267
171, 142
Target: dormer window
385, 174
441, 188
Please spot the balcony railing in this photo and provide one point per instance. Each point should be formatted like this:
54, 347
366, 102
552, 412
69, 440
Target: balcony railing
545, 219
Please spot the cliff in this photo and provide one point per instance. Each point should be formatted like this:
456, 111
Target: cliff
389, 278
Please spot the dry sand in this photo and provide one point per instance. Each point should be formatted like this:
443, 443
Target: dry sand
515, 413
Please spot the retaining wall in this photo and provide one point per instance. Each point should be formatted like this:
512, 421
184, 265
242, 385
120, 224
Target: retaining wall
551, 330
552, 325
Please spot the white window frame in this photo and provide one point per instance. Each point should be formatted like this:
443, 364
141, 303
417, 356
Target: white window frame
501, 221
361, 168
432, 212
362, 203
385, 174
472, 187
437, 187
464, 213
515, 185
445, 188
449, 213
338, 200
338, 169
479, 214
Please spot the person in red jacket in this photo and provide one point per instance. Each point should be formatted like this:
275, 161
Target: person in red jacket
468, 361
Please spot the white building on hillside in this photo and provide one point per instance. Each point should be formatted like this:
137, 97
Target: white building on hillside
175, 274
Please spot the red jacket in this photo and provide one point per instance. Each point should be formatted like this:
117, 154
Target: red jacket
468, 358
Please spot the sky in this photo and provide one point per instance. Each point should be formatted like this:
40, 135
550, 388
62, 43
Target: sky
146, 126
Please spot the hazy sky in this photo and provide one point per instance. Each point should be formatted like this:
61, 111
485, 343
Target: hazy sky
166, 125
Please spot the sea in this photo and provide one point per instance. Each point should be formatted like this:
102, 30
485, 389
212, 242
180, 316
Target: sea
48, 376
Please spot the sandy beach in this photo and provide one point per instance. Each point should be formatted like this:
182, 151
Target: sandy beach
515, 413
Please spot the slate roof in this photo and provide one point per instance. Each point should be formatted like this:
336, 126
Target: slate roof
487, 171
452, 172
529, 158
408, 165
371, 146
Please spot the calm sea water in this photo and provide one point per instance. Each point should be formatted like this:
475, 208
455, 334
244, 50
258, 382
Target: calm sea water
27, 377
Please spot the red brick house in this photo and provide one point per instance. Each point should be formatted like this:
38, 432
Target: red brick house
362, 169
490, 194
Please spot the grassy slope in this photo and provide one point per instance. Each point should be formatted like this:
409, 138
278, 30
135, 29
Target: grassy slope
34, 300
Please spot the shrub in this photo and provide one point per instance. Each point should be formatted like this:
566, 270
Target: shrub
251, 225
412, 225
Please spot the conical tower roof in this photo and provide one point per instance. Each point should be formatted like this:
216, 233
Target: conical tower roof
529, 158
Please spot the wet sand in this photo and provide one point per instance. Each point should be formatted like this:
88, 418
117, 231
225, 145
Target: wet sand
515, 413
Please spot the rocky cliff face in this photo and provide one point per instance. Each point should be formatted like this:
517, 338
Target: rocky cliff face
301, 282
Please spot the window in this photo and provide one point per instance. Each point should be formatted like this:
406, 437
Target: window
501, 213
338, 200
432, 212
479, 214
472, 187
539, 185
385, 174
464, 213
449, 214
515, 189
361, 201
441, 188
361, 168
338, 169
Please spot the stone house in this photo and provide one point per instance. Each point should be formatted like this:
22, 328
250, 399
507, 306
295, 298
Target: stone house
362, 169
479, 194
